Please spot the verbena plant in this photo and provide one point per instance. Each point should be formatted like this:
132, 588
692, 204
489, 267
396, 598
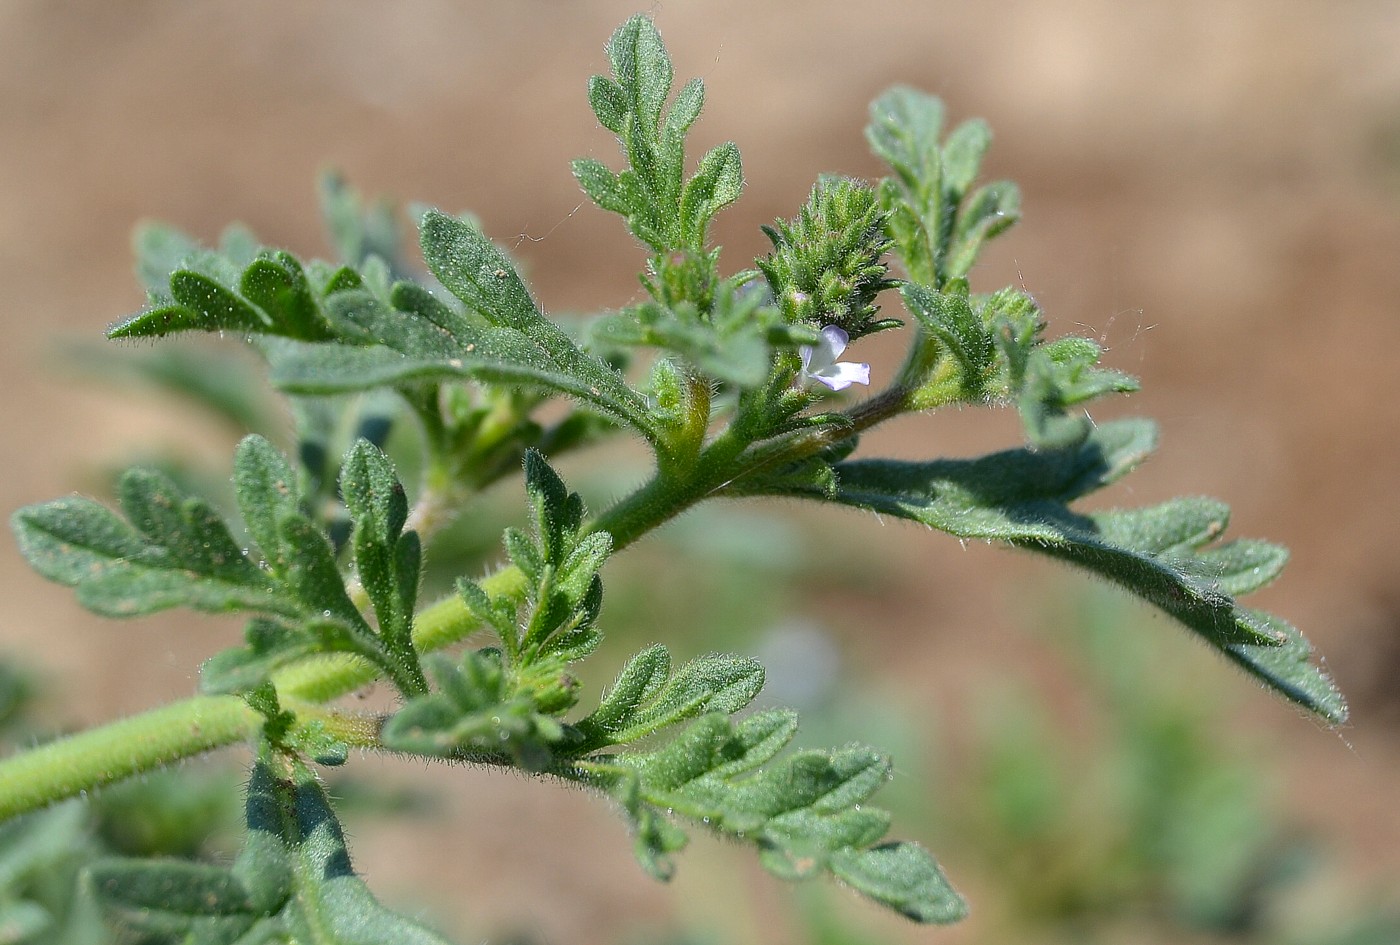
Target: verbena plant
729, 379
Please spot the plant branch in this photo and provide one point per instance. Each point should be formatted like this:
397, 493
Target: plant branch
69, 766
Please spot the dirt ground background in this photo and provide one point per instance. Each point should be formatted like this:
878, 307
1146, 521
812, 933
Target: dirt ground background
1211, 188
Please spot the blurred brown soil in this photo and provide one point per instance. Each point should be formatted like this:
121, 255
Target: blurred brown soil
1211, 189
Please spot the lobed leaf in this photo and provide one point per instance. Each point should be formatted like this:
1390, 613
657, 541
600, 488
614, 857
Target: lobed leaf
716, 185
937, 229
1022, 497
647, 697
176, 552
269, 646
476, 713
642, 68
387, 560
805, 813
950, 318
474, 270
266, 489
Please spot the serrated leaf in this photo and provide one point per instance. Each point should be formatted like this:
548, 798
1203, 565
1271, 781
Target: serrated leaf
805, 814
642, 68
475, 714
951, 319
962, 156
903, 876
936, 234
716, 185
647, 698
180, 554
904, 128
277, 285
601, 185
683, 112
389, 561
266, 489
310, 572
609, 103
640, 681
989, 212
202, 304
474, 270
1021, 497
556, 512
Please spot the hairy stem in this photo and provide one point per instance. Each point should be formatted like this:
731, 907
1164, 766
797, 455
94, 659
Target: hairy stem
67, 767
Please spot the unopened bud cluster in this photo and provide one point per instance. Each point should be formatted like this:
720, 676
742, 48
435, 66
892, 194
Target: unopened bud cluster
827, 266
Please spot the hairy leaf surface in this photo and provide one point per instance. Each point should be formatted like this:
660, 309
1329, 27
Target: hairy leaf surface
1162, 554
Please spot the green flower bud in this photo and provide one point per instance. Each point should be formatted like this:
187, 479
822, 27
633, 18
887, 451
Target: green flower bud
827, 266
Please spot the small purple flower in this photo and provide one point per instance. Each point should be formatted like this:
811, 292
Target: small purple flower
819, 362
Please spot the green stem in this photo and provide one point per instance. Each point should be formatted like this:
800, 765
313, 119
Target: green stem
99, 756
69, 766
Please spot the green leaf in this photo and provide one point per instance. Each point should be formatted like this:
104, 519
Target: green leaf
266, 488
805, 813
609, 103
950, 318
311, 575
904, 129
731, 344
962, 156
175, 552
388, 561
903, 876
203, 305
474, 270
642, 67
477, 715
662, 209
291, 882
647, 698
601, 185
1021, 497
277, 285
270, 645
716, 185
332, 905
989, 212
938, 231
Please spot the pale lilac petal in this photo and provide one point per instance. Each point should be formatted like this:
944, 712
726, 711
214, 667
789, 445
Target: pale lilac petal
819, 361
843, 374
834, 341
